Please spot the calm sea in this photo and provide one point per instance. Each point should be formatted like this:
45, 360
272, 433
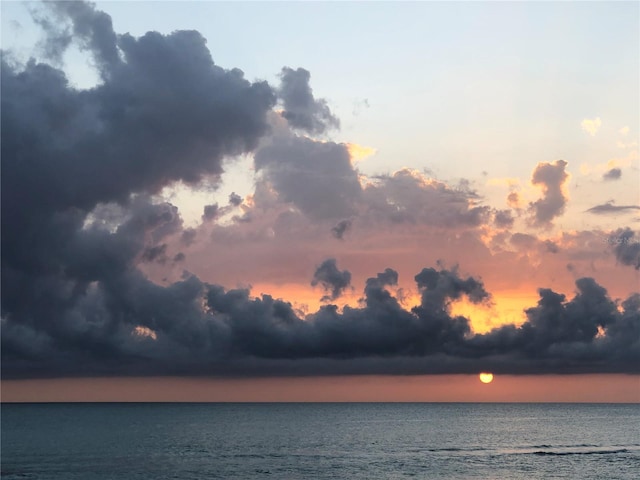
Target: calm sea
320, 441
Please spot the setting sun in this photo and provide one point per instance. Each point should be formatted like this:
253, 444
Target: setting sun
486, 377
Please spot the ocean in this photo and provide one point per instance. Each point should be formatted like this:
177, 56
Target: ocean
320, 441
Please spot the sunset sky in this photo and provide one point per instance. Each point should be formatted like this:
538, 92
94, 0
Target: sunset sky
320, 201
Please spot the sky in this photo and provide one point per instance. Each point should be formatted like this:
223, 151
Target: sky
320, 201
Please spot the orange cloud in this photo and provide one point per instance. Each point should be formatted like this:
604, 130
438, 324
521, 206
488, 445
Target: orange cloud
358, 153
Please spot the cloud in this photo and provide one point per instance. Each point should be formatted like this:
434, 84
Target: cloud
235, 199
334, 281
191, 327
503, 219
301, 109
211, 212
359, 152
78, 296
610, 208
316, 177
407, 196
341, 228
79, 22
95, 157
627, 248
612, 174
552, 178
513, 200
591, 126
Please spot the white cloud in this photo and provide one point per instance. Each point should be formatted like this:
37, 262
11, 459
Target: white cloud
591, 126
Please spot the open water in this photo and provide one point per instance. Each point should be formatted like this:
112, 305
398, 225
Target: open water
150, 441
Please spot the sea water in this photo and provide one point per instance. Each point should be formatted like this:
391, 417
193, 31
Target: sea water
320, 441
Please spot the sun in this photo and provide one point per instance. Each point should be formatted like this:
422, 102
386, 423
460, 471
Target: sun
486, 377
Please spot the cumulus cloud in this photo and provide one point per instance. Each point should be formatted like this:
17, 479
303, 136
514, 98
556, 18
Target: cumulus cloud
164, 112
316, 177
591, 125
334, 281
551, 177
191, 327
301, 109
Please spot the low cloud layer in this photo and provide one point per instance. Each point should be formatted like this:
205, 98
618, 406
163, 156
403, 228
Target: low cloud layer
190, 327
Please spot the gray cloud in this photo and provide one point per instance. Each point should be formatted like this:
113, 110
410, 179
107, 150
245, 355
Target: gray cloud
202, 329
75, 302
317, 177
162, 113
334, 281
610, 208
301, 109
612, 174
551, 176
211, 212
235, 199
627, 248
408, 197
341, 228
503, 219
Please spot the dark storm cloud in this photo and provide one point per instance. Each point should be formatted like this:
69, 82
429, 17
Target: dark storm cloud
301, 109
613, 174
610, 208
552, 177
334, 281
78, 166
191, 327
341, 228
317, 177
